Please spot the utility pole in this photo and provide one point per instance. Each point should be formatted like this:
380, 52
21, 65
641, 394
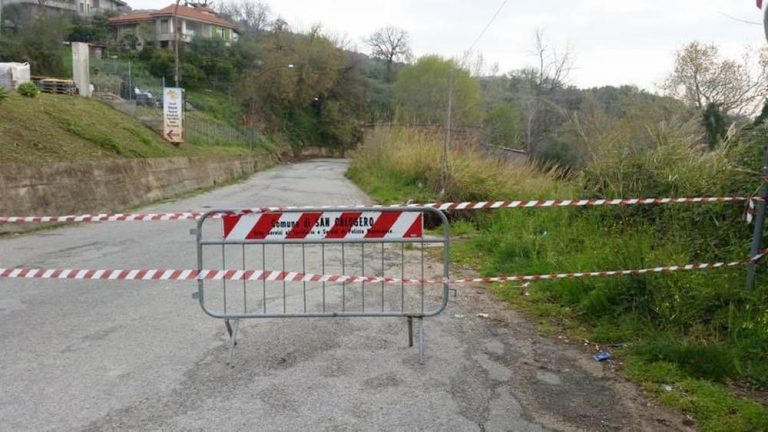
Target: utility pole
448, 126
176, 31
757, 235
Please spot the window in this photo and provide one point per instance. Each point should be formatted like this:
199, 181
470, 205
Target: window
164, 27
82, 7
96, 4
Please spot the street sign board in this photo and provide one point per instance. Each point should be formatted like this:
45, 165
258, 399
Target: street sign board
173, 113
326, 225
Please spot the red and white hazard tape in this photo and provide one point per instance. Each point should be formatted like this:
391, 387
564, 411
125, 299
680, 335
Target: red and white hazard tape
279, 276
481, 205
114, 217
449, 206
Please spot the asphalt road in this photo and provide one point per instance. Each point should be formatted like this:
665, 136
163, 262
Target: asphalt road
81, 355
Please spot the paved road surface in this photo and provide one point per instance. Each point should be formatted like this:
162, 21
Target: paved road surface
80, 355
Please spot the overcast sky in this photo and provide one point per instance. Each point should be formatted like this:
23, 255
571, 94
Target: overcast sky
615, 41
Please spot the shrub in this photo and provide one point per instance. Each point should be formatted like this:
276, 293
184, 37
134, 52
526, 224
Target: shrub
3, 94
28, 90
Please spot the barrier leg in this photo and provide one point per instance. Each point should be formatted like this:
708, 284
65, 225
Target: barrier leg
410, 332
421, 341
232, 338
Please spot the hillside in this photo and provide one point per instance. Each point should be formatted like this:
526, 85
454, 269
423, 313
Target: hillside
52, 128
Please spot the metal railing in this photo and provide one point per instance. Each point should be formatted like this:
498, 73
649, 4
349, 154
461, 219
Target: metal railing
323, 248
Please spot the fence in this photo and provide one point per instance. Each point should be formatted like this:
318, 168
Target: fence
321, 240
130, 88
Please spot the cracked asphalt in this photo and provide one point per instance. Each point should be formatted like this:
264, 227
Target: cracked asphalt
101, 356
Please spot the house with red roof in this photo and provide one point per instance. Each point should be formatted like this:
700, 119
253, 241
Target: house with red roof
159, 26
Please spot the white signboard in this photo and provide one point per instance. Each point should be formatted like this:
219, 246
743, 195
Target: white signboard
173, 114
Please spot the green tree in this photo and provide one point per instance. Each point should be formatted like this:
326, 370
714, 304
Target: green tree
421, 93
305, 88
159, 61
503, 124
93, 29
212, 59
763, 115
716, 125
39, 43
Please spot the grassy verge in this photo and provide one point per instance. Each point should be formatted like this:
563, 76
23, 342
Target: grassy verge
53, 128
697, 340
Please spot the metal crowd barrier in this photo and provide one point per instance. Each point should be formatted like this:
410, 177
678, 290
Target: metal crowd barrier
388, 242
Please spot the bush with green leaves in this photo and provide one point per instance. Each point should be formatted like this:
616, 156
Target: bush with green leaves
3, 94
28, 90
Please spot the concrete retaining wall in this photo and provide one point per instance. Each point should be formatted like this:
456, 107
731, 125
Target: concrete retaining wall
111, 185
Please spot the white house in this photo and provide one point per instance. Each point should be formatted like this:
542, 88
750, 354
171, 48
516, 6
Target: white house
194, 19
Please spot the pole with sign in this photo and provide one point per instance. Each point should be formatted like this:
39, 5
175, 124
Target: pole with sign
173, 113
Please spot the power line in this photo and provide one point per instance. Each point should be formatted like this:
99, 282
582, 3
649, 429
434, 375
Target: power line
739, 19
487, 26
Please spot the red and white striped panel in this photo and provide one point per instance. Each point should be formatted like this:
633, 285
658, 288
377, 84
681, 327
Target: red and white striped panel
324, 225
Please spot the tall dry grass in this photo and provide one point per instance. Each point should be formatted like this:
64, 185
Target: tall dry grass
413, 158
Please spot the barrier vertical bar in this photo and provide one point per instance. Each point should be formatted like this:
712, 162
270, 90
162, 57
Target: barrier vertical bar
322, 257
264, 281
422, 276
402, 277
382, 274
245, 304
304, 270
224, 281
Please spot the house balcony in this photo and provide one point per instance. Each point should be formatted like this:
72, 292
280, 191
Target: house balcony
171, 37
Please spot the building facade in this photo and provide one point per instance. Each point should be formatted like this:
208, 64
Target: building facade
158, 26
78, 7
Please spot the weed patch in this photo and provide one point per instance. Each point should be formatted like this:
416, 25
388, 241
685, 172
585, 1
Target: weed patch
699, 333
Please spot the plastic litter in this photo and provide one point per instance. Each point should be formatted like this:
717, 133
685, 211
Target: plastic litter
602, 356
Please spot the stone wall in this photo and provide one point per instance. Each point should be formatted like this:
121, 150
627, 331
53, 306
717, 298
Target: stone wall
111, 185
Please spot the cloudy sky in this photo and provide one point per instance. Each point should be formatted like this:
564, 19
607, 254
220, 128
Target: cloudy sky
615, 41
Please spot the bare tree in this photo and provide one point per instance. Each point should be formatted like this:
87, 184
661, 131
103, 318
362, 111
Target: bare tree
701, 77
539, 84
473, 61
390, 44
555, 66
252, 16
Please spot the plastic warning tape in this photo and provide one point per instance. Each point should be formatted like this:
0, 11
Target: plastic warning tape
104, 217
448, 206
280, 276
